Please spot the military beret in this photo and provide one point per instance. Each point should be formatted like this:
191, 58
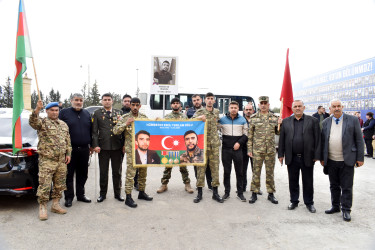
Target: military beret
52, 104
263, 99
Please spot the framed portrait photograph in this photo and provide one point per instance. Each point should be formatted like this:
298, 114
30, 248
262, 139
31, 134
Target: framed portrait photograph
164, 75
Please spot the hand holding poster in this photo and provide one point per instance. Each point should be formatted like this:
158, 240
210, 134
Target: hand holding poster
169, 143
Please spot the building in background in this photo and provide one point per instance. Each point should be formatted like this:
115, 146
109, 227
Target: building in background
354, 85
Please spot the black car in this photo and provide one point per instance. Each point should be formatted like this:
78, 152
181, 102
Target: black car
92, 109
18, 173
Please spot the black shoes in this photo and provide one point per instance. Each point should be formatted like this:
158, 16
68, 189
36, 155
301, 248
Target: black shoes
332, 210
84, 199
311, 208
130, 202
68, 202
119, 198
346, 216
253, 198
226, 196
292, 206
216, 196
241, 197
101, 198
199, 196
143, 196
272, 198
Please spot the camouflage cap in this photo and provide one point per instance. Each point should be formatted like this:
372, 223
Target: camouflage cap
263, 99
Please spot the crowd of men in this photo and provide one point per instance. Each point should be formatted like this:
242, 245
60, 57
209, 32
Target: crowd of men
68, 137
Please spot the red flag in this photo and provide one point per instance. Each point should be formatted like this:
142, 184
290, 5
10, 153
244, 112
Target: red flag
286, 96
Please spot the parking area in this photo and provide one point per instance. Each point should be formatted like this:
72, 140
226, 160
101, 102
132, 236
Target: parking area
173, 221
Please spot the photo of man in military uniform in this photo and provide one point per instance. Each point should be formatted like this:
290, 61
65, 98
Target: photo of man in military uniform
193, 153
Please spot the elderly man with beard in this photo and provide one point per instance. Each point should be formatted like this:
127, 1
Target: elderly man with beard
175, 115
79, 123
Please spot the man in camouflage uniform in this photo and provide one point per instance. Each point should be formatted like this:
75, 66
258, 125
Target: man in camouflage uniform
54, 153
193, 153
124, 126
261, 147
175, 115
210, 115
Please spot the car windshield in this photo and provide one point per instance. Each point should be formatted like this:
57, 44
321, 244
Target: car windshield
29, 135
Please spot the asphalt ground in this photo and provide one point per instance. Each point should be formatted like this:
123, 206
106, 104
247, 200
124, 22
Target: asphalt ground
173, 221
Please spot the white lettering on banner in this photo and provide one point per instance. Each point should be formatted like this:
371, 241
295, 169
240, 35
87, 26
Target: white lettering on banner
337, 75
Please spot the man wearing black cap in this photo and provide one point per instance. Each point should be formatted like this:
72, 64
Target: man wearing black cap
79, 123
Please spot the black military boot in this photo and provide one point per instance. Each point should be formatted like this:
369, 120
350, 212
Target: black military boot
253, 198
216, 195
272, 198
130, 202
143, 196
199, 196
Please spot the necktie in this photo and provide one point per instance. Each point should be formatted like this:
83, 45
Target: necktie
337, 121
109, 113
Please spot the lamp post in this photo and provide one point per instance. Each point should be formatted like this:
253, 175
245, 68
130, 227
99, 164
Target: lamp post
137, 93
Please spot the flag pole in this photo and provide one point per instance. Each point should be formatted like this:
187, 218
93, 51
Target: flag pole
281, 112
36, 79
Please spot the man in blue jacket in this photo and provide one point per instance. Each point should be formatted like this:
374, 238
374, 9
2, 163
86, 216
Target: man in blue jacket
234, 129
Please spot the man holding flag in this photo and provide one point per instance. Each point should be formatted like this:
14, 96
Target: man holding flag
54, 151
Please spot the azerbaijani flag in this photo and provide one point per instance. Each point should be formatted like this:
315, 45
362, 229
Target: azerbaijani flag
23, 50
167, 137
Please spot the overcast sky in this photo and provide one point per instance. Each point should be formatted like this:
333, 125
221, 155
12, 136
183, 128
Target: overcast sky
231, 46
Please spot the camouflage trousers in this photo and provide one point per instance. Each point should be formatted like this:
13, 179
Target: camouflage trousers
212, 154
269, 161
130, 174
51, 171
167, 175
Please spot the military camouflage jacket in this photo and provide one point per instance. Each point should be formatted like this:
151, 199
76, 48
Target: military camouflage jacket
212, 121
54, 138
197, 157
127, 130
262, 130
102, 130
175, 116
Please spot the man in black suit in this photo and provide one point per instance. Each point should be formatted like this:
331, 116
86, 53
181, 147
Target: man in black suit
142, 154
300, 144
108, 146
342, 148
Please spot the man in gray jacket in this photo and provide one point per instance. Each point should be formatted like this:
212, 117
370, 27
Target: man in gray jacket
342, 148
